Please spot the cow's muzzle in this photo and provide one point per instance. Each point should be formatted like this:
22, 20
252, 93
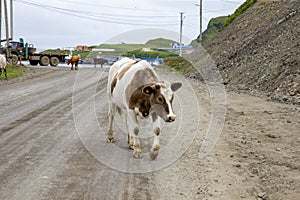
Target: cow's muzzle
171, 118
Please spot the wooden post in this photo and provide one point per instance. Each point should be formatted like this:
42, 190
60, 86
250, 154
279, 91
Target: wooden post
8, 53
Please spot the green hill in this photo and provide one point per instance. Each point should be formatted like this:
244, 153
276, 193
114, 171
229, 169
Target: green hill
214, 26
160, 42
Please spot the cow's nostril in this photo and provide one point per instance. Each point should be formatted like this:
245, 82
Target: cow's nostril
171, 118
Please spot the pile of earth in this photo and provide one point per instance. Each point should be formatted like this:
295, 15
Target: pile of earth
260, 50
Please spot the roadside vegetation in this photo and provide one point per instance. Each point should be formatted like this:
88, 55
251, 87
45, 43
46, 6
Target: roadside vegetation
180, 64
139, 53
239, 11
12, 72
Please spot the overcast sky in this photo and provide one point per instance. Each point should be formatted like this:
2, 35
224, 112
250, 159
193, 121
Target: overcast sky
67, 23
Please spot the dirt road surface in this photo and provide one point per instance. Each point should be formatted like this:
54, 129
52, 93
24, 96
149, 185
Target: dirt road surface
46, 150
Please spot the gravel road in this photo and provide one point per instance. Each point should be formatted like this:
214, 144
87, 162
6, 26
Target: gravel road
52, 145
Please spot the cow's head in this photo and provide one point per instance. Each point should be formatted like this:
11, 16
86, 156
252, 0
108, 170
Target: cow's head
161, 96
69, 60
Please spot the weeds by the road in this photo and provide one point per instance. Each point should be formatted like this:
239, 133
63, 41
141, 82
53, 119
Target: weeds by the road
12, 72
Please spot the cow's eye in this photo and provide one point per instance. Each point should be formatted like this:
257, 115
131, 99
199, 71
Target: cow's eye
160, 99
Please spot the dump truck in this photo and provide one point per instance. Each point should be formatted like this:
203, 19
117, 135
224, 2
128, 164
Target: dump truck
20, 52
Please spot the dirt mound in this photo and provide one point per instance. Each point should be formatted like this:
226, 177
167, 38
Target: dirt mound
259, 51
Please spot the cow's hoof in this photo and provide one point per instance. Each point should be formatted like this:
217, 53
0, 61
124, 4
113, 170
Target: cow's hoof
154, 152
76, 68
130, 146
153, 155
110, 139
137, 155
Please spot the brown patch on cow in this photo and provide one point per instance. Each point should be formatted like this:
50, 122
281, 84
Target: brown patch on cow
125, 69
119, 110
172, 98
157, 131
144, 101
141, 78
113, 83
119, 75
154, 116
141, 101
136, 131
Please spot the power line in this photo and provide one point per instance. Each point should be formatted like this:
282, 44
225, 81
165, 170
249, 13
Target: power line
230, 2
113, 7
83, 14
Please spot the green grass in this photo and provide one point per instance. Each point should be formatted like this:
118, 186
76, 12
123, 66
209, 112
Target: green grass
180, 64
214, 27
239, 11
160, 43
138, 53
12, 72
55, 51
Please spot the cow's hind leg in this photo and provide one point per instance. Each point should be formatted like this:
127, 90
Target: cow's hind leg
5, 73
130, 135
76, 66
133, 130
110, 132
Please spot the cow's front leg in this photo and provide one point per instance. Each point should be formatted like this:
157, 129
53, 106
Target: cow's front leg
133, 130
155, 147
76, 66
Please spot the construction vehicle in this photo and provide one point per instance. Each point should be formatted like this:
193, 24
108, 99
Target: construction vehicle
20, 52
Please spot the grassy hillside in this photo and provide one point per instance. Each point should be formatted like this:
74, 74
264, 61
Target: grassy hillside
214, 27
180, 64
160, 42
239, 11
138, 53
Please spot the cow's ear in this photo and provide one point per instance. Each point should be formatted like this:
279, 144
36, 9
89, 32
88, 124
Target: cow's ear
175, 86
148, 90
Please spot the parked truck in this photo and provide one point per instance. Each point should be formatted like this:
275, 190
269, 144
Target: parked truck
20, 52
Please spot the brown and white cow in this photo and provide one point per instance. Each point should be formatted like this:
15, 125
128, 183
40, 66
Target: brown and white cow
135, 90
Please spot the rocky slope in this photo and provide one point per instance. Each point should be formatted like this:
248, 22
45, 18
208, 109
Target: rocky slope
260, 50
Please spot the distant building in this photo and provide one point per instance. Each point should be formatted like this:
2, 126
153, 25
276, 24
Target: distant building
103, 50
146, 49
68, 48
177, 46
82, 48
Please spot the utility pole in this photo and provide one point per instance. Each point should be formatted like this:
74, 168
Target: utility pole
11, 19
181, 23
200, 18
7, 33
0, 21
